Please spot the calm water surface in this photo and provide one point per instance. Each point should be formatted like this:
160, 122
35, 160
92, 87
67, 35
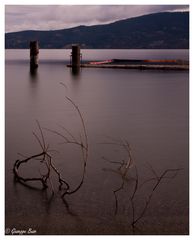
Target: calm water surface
148, 108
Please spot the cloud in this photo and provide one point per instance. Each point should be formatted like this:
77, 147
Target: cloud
50, 17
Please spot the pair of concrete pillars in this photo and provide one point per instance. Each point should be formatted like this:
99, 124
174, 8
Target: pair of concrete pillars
75, 56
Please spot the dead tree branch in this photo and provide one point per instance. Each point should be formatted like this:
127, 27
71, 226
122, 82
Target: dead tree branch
45, 158
156, 185
128, 166
124, 167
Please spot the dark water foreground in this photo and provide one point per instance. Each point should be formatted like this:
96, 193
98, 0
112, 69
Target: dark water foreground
149, 109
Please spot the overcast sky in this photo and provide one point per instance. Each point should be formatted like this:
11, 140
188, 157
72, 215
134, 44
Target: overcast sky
50, 17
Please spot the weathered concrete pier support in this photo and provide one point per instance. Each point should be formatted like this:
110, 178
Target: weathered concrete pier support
75, 58
34, 51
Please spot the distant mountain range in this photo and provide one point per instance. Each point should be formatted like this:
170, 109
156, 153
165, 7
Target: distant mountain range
167, 30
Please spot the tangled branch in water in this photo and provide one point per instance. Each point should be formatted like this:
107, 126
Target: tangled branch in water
44, 157
129, 166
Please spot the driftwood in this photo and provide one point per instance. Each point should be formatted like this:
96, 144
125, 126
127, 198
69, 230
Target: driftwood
129, 166
44, 157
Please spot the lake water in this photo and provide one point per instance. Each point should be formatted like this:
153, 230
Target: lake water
150, 109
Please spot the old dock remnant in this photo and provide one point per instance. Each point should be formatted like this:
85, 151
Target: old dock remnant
34, 51
141, 64
75, 58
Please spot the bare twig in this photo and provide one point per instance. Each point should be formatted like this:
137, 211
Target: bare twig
84, 148
156, 185
22, 179
45, 158
124, 169
82, 143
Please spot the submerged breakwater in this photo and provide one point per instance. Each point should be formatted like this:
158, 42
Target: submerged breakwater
146, 64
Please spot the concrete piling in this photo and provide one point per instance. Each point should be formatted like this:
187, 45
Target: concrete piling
34, 51
75, 58
75, 55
